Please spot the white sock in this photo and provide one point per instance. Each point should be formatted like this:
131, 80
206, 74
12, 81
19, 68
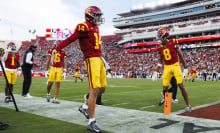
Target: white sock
85, 106
91, 120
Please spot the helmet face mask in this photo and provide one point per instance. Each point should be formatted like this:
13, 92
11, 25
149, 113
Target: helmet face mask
94, 15
11, 47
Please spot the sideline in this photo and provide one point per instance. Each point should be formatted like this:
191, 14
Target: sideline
113, 119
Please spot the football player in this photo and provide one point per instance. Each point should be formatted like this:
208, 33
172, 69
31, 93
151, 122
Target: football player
188, 75
194, 73
11, 59
214, 74
77, 73
55, 73
169, 52
90, 43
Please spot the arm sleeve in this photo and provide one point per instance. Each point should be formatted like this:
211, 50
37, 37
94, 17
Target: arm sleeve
28, 58
68, 41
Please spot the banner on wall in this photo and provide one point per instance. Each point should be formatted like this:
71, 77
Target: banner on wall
58, 33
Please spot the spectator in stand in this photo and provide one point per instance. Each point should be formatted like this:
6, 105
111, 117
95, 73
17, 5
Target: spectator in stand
26, 70
90, 43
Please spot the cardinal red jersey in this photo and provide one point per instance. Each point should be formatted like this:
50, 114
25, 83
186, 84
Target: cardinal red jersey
193, 71
12, 60
77, 68
168, 52
58, 58
89, 40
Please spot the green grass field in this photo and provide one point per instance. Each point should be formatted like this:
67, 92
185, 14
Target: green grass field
139, 94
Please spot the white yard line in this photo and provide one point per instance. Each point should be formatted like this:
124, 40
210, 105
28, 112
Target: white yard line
119, 104
147, 107
113, 119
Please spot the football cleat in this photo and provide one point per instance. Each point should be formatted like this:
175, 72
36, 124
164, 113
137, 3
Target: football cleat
94, 127
7, 100
161, 102
48, 98
55, 101
85, 112
175, 101
188, 109
10, 99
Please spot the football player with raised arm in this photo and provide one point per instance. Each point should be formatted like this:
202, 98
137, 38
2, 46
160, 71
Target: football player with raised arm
11, 59
169, 52
90, 43
56, 71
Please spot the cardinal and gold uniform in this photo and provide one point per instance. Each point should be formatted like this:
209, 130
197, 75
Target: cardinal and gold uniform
11, 64
77, 71
171, 63
56, 70
194, 73
90, 44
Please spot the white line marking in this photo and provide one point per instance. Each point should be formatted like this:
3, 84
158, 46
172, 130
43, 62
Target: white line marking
119, 104
147, 107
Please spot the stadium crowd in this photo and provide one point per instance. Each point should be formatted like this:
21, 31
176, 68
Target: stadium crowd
140, 65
